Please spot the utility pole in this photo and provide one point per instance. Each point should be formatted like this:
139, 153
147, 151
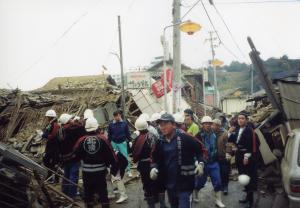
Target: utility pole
251, 68
121, 65
164, 43
212, 39
176, 57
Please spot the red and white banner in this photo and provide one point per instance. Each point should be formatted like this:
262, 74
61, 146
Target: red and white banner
158, 86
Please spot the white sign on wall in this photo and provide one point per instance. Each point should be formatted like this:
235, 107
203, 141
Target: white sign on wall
138, 80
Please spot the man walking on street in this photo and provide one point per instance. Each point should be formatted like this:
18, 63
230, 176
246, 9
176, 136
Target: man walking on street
96, 155
142, 147
212, 168
176, 159
119, 135
246, 142
68, 135
223, 157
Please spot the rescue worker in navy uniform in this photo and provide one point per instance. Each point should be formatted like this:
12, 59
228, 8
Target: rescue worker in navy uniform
246, 142
142, 147
176, 159
96, 155
68, 134
51, 157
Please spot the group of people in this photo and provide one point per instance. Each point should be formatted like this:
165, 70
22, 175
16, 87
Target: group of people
74, 143
174, 155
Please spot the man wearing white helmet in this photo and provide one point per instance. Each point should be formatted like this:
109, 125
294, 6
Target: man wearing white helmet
96, 155
68, 135
51, 157
88, 113
142, 147
207, 137
179, 120
151, 128
223, 156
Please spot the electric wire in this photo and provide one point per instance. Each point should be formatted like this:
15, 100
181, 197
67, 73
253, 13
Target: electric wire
229, 31
258, 2
215, 30
57, 40
192, 7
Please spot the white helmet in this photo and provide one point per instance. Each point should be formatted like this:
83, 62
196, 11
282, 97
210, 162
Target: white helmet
162, 112
64, 118
145, 116
141, 124
155, 117
206, 119
50, 113
179, 118
88, 113
91, 124
244, 179
217, 121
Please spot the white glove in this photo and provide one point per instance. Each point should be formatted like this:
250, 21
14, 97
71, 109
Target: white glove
153, 174
130, 144
137, 133
247, 155
199, 168
228, 156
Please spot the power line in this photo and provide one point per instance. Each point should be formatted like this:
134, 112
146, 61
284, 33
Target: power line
215, 30
229, 31
66, 31
192, 7
258, 2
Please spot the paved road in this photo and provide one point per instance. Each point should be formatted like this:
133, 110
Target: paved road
135, 192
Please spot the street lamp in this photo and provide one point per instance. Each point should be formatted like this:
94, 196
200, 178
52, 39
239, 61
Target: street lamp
186, 26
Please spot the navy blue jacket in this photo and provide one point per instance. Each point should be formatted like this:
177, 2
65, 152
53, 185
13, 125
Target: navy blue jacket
118, 132
189, 150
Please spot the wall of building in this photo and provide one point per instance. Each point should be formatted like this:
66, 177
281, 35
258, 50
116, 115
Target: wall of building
233, 105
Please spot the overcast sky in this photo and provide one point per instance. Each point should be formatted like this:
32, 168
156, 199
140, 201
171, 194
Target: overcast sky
42, 39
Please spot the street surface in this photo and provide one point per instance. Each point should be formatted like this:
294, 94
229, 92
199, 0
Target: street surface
135, 194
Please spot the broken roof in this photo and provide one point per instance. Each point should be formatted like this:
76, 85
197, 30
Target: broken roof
74, 82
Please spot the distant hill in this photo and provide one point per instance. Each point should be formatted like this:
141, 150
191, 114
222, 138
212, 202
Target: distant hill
238, 75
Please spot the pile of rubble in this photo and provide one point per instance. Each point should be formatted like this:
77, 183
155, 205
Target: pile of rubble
22, 183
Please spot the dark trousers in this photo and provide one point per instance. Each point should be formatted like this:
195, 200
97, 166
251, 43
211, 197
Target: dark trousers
251, 170
50, 161
179, 199
71, 172
224, 172
149, 187
95, 183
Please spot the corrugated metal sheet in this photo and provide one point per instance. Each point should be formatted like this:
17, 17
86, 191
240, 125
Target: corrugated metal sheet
290, 98
148, 103
16, 156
